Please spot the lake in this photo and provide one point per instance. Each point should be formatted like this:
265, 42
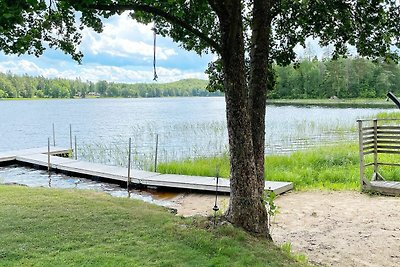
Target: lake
187, 127
15, 174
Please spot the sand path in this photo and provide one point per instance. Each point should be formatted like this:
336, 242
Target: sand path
330, 228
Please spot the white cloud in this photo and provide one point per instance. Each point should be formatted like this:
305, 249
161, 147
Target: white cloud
127, 74
123, 37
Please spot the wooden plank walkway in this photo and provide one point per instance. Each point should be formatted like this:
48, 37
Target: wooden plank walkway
120, 174
11, 155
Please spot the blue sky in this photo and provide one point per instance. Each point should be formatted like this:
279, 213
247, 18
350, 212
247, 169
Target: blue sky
123, 52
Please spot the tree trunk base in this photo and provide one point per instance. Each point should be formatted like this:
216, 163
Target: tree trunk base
252, 217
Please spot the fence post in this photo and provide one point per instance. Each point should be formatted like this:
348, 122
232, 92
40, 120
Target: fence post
129, 164
156, 156
361, 152
375, 148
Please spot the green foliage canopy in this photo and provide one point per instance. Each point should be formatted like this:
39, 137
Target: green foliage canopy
372, 26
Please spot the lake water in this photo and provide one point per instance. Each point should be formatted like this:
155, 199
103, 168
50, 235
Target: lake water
187, 127
15, 174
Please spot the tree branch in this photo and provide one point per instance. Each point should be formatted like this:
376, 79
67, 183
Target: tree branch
158, 12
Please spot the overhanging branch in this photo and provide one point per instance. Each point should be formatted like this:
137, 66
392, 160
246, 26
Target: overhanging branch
158, 12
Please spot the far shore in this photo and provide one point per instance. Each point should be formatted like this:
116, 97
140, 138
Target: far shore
344, 103
353, 102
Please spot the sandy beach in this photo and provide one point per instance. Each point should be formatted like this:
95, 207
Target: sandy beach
345, 228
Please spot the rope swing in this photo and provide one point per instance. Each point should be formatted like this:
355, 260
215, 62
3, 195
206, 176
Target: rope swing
154, 54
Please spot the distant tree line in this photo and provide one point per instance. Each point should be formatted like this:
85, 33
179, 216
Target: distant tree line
342, 78
15, 86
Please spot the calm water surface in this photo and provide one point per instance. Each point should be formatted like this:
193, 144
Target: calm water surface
15, 174
187, 127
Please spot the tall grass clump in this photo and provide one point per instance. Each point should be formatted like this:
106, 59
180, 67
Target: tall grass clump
389, 115
206, 166
330, 167
333, 167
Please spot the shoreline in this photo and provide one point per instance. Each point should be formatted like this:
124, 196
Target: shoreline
341, 103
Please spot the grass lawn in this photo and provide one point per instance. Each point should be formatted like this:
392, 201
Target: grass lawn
49, 227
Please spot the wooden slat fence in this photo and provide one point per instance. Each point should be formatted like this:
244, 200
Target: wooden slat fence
378, 138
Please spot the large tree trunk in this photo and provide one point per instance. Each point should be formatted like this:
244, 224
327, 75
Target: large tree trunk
260, 80
246, 208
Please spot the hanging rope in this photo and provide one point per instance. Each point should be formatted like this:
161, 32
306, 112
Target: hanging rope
154, 54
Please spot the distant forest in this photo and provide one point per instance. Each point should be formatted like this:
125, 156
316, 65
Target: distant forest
342, 78
14, 86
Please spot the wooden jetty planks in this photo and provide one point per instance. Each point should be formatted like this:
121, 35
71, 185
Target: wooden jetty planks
11, 155
117, 173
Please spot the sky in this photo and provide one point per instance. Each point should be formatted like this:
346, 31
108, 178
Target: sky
123, 52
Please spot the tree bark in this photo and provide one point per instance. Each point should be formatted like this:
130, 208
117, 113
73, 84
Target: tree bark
260, 79
246, 208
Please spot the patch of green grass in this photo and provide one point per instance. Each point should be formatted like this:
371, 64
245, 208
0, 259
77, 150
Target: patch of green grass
332, 168
388, 115
329, 168
49, 227
198, 167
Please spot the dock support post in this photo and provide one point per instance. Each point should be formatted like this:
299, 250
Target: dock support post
76, 150
48, 155
54, 136
129, 164
70, 136
156, 156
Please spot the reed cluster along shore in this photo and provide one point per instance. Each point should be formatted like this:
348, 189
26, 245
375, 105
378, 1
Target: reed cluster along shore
330, 161
333, 167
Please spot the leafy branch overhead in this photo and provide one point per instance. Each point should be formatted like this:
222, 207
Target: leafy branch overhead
371, 26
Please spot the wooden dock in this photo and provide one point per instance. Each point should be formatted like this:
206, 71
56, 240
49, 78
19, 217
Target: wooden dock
38, 157
12, 155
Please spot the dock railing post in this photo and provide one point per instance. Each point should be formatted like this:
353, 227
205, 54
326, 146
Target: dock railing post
361, 152
48, 155
70, 136
54, 136
156, 156
129, 164
76, 150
